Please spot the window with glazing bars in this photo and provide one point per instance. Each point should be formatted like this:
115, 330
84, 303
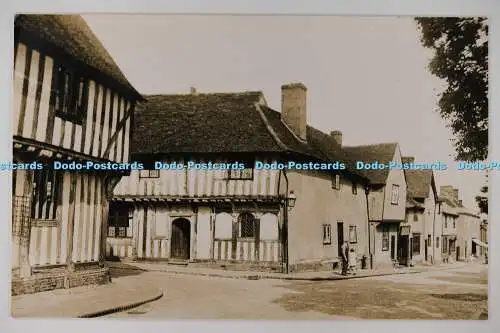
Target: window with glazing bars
46, 194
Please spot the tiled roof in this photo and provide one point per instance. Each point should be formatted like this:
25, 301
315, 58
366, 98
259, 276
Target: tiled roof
383, 153
419, 183
72, 34
223, 123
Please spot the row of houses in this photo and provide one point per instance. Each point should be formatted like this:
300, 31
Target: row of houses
281, 220
73, 103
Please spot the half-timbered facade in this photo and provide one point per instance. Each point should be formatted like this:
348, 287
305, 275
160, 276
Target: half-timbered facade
235, 217
71, 103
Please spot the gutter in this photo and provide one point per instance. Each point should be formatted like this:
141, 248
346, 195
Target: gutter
370, 254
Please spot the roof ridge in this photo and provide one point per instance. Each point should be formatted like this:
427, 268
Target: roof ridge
373, 144
246, 92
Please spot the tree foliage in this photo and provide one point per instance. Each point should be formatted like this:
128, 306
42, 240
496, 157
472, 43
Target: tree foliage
482, 200
460, 58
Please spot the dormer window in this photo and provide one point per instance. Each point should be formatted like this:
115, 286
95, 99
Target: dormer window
70, 95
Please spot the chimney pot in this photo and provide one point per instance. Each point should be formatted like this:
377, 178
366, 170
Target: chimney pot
408, 159
337, 135
294, 108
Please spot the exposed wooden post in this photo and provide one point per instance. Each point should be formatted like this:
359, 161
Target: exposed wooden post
71, 222
109, 183
23, 222
235, 234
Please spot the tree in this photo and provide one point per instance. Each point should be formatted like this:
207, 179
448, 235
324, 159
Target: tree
460, 58
482, 200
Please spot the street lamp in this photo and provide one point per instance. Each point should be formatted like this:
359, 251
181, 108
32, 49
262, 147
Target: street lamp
291, 200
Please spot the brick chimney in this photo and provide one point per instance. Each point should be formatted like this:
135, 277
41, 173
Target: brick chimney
337, 135
294, 108
408, 159
192, 90
449, 192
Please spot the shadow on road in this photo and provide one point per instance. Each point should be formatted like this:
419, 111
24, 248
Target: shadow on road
123, 269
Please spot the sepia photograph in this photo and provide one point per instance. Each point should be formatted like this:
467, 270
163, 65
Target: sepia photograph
277, 167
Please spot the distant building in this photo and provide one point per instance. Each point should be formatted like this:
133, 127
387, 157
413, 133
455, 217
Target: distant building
421, 204
386, 203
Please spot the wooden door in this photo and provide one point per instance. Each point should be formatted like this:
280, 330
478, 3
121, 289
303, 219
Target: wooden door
393, 247
340, 237
180, 241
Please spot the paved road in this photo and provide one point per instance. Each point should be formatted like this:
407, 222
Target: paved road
453, 294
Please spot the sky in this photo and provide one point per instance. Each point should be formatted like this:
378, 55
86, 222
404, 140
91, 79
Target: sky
366, 76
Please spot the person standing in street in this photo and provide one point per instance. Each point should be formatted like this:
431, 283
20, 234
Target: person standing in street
345, 259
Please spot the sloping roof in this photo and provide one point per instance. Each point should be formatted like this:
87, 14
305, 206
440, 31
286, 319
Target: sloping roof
419, 183
200, 123
223, 123
412, 203
72, 34
382, 152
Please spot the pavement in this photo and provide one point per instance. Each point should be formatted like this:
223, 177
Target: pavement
253, 275
128, 288
87, 301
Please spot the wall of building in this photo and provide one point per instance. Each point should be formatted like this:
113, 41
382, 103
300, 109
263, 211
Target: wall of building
34, 115
211, 233
393, 212
198, 183
319, 204
468, 228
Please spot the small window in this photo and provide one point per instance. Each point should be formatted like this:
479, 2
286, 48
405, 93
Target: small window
437, 242
385, 239
454, 221
354, 188
353, 234
327, 234
120, 218
247, 225
336, 181
46, 194
416, 244
149, 174
444, 248
240, 174
395, 195
415, 216
429, 240
70, 92
446, 221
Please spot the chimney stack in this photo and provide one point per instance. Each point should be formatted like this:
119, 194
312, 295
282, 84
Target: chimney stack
294, 108
449, 192
337, 135
192, 90
408, 159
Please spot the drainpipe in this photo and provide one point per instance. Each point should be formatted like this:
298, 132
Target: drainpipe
434, 235
284, 231
370, 254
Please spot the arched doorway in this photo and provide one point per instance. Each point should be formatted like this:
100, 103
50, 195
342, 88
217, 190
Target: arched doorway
180, 241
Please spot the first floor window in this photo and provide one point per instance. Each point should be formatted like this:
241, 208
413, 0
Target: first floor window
353, 235
416, 244
429, 240
247, 225
415, 216
437, 242
240, 174
70, 92
395, 195
149, 174
327, 234
120, 220
385, 239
